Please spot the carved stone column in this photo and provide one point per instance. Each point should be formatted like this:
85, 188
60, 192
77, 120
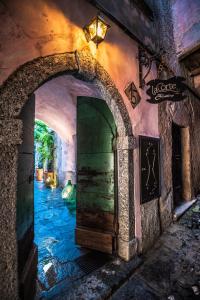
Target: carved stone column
127, 246
10, 132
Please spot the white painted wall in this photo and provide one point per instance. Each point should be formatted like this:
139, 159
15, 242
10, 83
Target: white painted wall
56, 106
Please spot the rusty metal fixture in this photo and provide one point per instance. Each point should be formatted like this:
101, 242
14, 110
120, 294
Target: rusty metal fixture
145, 61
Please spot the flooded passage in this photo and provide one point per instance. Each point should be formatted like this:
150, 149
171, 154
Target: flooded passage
60, 261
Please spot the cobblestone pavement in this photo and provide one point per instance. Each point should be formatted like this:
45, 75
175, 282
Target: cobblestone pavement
171, 270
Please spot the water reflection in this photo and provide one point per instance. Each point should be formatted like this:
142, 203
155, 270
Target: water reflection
55, 221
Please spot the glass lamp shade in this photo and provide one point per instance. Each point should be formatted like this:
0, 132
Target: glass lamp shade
96, 30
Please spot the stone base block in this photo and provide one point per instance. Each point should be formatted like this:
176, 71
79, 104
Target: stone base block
127, 249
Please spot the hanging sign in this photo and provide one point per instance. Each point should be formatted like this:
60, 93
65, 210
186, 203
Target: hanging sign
171, 89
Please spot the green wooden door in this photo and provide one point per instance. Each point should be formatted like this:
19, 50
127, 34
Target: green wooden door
96, 205
27, 253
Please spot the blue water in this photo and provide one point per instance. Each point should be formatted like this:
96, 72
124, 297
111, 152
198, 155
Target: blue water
54, 222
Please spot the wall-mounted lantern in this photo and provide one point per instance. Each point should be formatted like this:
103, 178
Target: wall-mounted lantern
96, 30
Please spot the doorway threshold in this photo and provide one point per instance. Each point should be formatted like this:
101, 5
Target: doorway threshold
182, 208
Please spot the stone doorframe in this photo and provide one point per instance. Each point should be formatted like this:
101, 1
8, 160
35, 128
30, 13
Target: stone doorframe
13, 95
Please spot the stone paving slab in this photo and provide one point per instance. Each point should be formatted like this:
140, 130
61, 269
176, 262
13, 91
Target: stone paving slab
171, 270
102, 282
133, 290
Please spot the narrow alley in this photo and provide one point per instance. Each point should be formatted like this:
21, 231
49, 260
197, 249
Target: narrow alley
99, 150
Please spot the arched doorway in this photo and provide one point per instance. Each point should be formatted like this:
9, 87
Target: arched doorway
53, 229
14, 94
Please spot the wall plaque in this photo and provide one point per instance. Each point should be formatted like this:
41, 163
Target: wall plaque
149, 168
171, 89
132, 94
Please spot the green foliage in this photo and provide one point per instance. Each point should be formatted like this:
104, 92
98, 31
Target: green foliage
44, 137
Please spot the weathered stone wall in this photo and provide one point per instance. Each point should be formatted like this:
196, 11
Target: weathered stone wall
185, 114
157, 214
164, 25
195, 149
186, 19
10, 132
150, 223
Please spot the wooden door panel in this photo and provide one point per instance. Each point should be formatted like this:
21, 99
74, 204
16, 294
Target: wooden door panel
95, 175
102, 220
95, 202
101, 241
25, 172
27, 252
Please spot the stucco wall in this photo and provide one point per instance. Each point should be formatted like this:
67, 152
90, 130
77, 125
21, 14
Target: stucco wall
64, 160
133, 18
30, 30
186, 18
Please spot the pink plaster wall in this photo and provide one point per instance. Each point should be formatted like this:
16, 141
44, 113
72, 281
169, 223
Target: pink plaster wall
30, 29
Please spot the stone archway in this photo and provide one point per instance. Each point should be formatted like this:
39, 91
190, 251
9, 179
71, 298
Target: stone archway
13, 95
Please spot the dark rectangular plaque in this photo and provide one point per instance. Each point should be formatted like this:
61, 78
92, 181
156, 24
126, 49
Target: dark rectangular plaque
149, 168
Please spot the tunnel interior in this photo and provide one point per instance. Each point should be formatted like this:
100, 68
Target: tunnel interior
66, 200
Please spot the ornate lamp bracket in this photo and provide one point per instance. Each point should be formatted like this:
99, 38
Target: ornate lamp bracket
145, 61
